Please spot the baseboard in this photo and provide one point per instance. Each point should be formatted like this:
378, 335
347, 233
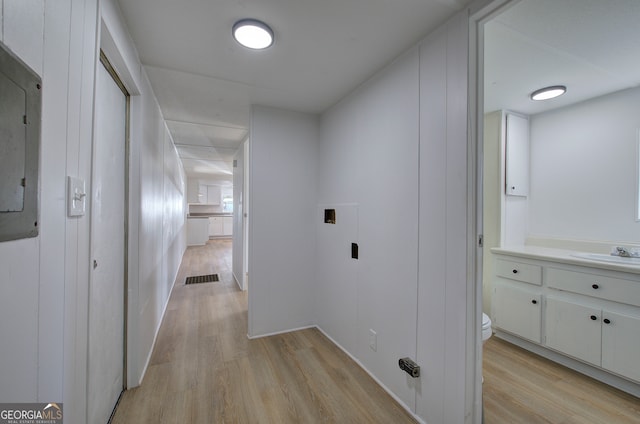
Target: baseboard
385, 388
259, 336
155, 336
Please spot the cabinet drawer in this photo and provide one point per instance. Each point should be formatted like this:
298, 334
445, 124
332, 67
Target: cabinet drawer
519, 271
609, 288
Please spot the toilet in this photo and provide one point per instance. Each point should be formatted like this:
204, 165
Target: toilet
486, 327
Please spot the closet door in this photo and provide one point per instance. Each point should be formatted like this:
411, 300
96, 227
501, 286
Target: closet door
107, 280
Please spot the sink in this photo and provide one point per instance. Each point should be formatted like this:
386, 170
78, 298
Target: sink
601, 257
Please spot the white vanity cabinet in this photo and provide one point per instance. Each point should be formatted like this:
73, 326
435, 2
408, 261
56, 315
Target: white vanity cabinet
574, 329
517, 298
518, 310
589, 315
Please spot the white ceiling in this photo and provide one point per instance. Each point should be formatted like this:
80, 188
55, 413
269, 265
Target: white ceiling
205, 82
591, 46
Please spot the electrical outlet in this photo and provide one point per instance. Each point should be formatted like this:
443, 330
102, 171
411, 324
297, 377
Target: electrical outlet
373, 340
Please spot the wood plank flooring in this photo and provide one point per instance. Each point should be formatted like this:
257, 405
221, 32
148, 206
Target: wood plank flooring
204, 369
521, 387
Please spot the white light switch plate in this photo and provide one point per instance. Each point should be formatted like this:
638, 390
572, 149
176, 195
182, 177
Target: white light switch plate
76, 196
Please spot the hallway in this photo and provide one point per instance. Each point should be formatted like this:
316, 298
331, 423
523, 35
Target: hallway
204, 369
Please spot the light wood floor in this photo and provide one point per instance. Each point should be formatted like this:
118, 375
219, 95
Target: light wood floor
204, 369
520, 387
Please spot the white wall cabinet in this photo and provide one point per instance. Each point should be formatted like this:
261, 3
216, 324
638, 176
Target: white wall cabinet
517, 155
589, 314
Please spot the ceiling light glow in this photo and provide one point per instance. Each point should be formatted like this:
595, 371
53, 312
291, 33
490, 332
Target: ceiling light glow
549, 92
253, 34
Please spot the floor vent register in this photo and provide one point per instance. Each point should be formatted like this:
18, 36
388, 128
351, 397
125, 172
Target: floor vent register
198, 279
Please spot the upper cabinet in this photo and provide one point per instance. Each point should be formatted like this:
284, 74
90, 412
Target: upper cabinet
517, 155
203, 193
213, 195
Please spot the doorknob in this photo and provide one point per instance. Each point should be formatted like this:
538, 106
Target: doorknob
95, 264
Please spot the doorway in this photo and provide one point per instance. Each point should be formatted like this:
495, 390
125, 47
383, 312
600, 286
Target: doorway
108, 248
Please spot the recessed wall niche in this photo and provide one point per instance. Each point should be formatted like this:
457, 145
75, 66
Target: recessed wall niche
20, 110
329, 216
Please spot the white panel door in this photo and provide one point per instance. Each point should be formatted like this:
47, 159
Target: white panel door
106, 291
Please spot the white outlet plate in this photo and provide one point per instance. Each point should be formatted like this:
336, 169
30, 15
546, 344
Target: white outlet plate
373, 340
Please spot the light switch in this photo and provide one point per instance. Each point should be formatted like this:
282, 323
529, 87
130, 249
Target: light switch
76, 196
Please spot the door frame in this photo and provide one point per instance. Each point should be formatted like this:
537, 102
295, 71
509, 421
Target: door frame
480, 13
104, 60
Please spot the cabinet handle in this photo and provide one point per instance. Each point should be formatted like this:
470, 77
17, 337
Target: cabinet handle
595, 286
534, 301
515, 271
607, 321
593, 317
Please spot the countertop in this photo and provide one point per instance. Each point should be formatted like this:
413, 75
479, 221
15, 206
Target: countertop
562, 256
208, 215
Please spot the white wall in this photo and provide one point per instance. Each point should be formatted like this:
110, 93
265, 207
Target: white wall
584, 170
282, 208
393, 160
43, 284
368, 171
238, 212
157, 216
445, 276
44, 280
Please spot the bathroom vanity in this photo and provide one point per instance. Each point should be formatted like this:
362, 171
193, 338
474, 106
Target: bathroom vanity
580, 312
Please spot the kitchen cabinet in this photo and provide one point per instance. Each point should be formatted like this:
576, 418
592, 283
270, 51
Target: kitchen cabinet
197, 231
227, 225
215, 226
213, 194
220, 226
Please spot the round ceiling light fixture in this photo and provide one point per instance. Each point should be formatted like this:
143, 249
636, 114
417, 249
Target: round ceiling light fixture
253, 34
549, 92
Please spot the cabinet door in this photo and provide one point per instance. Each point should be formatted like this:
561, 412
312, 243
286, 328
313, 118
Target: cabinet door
227, 225
213, 195
517, 310
517, 156
215, 226
621, 344
574, 329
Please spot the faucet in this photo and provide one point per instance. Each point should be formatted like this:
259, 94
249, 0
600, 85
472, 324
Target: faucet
623, 252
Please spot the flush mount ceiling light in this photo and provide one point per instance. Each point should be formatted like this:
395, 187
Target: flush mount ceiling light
253, 34
548, 92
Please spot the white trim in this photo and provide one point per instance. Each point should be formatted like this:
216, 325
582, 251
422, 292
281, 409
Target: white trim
155, 337
276, 333
637, 218
385, 388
